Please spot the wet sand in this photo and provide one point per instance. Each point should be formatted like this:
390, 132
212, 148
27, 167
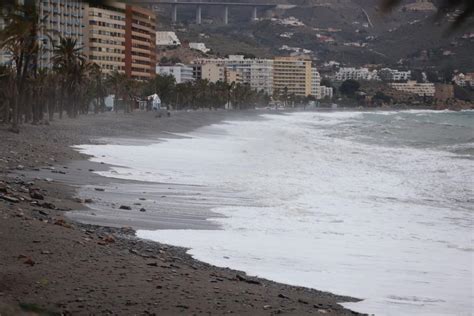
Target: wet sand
53, 260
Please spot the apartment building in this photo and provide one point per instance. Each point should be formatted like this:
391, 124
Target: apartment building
60, 18
258, 73
122, 38
315, 83
325, 92
464, 80
167, 39
182, 73
351, 73
293, 75
261, 75
388, 74
420, 89
211, 72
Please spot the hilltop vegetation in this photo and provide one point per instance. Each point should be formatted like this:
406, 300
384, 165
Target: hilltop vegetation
354, 32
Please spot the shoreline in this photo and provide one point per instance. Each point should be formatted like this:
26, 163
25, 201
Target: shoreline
55, 264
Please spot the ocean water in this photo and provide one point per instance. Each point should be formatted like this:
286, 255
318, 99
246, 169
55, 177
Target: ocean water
374, 205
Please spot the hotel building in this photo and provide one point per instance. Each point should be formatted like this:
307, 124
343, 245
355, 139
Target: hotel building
293, 74
122, 38
258, 73
421, 89
60, 18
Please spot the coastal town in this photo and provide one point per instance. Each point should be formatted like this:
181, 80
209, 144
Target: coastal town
245, 157
126, 39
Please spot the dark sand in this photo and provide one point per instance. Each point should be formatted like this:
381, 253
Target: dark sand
49, 262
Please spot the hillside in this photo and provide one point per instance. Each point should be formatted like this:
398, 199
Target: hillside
350, 31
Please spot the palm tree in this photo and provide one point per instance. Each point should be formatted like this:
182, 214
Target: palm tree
98, 88
115, 82
70, 64
20, 39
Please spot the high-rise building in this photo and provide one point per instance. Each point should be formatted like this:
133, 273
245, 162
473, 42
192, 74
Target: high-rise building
122, 38
258, 73
59, 18
180, 72
293, 75
261, 75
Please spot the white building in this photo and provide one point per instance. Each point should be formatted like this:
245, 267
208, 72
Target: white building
389, 74
200, 47
325, 92
421, 89
315, 83
167, 39
261, 75
317, 90
346, 73
464, 80
60, 18
181, 73
258, 73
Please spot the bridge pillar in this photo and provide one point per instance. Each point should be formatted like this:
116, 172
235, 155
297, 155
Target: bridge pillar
174, 13
199, 15
226, 14
254, 14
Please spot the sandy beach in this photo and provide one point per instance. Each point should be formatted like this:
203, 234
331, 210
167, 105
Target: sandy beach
60, 256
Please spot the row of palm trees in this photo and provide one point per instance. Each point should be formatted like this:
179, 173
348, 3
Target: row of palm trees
73, 86
28, 92
204, 94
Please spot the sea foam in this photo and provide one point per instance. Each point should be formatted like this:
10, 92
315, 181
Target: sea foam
390, 225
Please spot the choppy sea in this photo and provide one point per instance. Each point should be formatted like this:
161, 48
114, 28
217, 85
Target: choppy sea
374, 205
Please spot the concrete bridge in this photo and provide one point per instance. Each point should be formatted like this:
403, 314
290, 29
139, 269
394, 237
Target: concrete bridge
200, 4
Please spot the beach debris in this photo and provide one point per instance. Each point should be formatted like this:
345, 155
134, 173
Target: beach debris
47, 205
267, 307
283, 296
125, 207
20, 167
109, 239
88, 201
182, 306
152, 264
142, 210
3, 188
27, 260
41, 212
9, 198
99, 189
35, 194
322, 311
63, 223
302, 301
247, 280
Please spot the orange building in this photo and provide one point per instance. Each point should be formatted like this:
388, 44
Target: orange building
120, 37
